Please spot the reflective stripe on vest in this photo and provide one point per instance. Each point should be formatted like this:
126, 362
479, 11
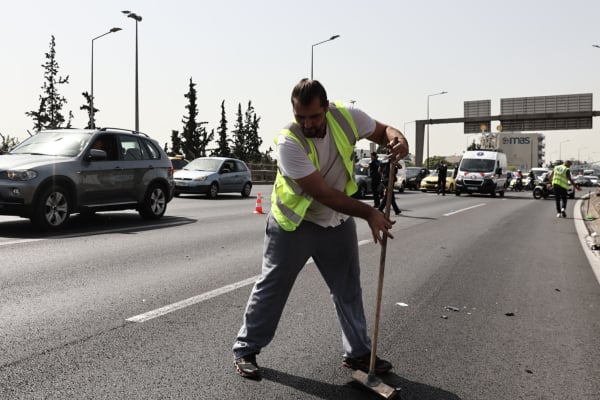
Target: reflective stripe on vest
289, 202
559, 176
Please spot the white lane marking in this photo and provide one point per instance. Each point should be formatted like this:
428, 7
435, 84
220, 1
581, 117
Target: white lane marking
116, 230
202, 297
463, 209
583, 234
191, 301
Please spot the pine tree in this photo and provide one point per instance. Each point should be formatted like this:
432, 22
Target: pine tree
175, 142
195, 136
239, 136
252, 140
88, 108
7, 143
49, 114
222, 149
40, 119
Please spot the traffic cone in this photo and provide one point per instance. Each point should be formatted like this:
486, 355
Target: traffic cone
258, 209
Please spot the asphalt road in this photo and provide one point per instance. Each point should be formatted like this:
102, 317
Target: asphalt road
484, 299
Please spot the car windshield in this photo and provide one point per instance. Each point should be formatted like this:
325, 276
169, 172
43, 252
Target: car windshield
411, 171
539, 172
204, 164
477, 165
54, 143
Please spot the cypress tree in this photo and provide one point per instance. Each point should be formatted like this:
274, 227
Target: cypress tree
49, 114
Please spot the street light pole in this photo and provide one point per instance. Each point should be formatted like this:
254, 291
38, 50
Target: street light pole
312, 51
92, 120
137, 18
579, 153
560, 148
428, 96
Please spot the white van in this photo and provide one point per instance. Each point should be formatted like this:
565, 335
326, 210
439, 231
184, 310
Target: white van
481, 171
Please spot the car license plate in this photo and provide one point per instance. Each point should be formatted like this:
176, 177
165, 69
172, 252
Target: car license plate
472, 187
182, 183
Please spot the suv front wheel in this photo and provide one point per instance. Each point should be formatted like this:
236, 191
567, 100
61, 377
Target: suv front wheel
51, 210
155, 203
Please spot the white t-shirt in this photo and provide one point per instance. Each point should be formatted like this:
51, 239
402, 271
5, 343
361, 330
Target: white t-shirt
294, 163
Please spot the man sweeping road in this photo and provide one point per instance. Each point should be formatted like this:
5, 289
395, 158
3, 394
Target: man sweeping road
312, 216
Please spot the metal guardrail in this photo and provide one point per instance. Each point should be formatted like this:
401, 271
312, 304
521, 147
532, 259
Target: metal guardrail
263, 173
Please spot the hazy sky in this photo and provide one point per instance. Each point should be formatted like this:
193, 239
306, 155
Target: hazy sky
390, 55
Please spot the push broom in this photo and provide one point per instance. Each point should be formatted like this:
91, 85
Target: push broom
370, 380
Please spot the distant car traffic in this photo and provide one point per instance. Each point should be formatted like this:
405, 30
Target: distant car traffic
430, 182
537, 172
55, 173
178, 162
412, 175
363, 181
213, 175
586, 180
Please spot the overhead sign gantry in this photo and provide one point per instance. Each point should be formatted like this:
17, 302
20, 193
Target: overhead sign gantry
540, 113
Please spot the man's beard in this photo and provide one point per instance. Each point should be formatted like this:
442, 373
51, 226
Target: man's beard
315, 132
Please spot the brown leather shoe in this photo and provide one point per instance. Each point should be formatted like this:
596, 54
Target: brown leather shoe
247, 367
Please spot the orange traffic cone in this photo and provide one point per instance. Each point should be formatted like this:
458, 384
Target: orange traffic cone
258, 209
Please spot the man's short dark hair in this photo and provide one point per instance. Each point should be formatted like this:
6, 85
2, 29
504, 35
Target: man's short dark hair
306, 90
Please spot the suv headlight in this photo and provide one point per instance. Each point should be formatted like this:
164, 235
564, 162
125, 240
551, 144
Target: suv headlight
200, 178
21, 175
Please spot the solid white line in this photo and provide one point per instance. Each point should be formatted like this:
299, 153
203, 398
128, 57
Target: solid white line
202, 297
583, 235
191, 301
463, 209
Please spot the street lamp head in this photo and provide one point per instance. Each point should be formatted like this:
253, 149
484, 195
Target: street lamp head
595, 45
132, 15
115, 29
444, 92
334, 37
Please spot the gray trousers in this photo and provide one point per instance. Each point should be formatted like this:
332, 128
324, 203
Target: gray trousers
335, 253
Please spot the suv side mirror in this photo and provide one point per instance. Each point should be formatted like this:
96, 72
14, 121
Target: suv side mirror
96, 155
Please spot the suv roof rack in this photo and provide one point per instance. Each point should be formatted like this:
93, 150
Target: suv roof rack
124, 130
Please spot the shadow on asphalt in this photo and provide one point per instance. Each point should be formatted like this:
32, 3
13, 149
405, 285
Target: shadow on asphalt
409, 390
97, 224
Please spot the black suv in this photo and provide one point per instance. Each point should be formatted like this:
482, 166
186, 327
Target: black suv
55, 173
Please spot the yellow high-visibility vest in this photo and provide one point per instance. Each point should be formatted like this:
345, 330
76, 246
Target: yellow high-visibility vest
288, 201
559, 176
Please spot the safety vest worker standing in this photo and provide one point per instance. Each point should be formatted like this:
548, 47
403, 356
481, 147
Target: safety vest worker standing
561, 176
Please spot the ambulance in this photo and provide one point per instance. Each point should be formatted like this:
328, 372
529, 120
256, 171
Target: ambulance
481, 171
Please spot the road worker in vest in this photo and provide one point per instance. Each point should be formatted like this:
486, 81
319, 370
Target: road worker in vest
561, 176
312, 215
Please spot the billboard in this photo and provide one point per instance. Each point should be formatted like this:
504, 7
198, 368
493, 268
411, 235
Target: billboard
475, 109
568, 103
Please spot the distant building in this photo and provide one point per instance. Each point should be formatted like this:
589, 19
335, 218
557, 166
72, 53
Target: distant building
523, 150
